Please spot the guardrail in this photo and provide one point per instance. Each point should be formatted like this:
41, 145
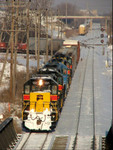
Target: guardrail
8, 134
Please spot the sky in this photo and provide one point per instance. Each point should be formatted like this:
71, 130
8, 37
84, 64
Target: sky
103, 6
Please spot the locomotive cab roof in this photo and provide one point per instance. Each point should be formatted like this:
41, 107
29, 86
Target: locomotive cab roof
57, 65
49, 70
59, 54
43, 77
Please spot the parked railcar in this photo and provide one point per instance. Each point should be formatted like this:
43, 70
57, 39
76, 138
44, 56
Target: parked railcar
21, 48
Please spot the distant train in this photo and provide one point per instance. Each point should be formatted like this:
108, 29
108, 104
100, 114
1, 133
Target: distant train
83, 28
45, 92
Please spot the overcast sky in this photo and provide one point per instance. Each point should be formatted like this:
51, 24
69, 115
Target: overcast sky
103, 6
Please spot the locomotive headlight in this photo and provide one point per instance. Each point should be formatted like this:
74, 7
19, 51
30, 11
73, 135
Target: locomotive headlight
40, 82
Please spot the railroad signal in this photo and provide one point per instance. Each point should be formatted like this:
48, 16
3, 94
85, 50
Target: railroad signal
102, 41
102, 35
102, 29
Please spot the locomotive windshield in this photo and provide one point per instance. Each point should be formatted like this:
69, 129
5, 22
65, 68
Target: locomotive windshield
41, 85
40, 88
70, 61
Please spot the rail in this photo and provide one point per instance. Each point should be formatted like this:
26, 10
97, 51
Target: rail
8, 134
32, 141
93, 87
76, 137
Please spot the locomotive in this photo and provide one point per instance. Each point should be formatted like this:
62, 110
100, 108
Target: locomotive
83, 28
45, 92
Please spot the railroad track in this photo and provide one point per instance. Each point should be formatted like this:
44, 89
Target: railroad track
92, 138
76, 136
93, 90
34, 140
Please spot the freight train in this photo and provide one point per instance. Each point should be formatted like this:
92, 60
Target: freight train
45, 92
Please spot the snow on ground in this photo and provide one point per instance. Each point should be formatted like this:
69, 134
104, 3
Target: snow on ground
6, 75
33, 63
3, 107
109, 55
21, 66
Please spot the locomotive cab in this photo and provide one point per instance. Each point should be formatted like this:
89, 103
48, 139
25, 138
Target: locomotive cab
58, 77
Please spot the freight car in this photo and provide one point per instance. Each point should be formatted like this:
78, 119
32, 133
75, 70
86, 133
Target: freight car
22, 47
73, 53
44, 93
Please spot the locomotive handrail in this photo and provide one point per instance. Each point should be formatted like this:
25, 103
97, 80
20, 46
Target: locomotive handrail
8, 134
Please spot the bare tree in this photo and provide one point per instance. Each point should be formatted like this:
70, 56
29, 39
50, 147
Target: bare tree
41, 4
71, 9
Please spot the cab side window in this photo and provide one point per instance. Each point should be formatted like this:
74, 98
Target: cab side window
27, 89
54, 90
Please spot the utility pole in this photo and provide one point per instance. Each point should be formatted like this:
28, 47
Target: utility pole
61, 29
2, 31
46, 35
91, 24
106, 24
58, 22
38, 55
66, 12
35, 33
27, 61
51, 34
12, 49
15, 52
